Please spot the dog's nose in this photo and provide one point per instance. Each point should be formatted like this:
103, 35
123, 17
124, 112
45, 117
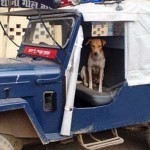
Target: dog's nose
95, 53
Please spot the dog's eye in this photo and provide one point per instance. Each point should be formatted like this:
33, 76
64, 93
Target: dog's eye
93, 46
99, 46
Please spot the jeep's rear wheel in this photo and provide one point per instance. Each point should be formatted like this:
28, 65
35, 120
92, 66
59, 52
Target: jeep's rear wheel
148, 134
4, 144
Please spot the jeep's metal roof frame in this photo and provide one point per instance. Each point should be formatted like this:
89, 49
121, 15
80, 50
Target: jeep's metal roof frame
35, 12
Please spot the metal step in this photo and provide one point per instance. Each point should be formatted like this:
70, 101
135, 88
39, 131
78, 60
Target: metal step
101, 143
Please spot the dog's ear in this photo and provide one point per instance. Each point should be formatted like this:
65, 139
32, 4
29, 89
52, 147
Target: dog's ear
89, 41
103, 42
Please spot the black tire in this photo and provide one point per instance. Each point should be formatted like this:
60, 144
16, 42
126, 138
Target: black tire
148, 135
4, 144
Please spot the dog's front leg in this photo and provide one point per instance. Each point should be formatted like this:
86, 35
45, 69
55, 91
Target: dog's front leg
90, 77
84, 75
101, 79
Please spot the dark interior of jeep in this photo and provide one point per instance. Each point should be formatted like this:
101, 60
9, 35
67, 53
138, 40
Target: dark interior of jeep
114, 71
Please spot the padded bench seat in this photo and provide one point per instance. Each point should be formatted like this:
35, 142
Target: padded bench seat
89, 97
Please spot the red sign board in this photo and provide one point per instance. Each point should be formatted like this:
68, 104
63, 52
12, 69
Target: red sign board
42, 52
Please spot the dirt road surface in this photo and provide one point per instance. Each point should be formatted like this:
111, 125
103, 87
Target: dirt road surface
135, 139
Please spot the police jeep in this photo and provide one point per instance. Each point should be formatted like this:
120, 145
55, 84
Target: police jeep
41, 91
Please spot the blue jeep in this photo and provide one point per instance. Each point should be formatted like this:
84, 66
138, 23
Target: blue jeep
41, 91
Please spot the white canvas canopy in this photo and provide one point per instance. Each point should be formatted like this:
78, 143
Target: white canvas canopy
136, 14
138, 47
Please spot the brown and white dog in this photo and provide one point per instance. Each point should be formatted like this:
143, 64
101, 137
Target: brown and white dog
96, 64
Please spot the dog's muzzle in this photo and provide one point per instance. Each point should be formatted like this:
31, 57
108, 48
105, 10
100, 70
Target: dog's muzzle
95, 53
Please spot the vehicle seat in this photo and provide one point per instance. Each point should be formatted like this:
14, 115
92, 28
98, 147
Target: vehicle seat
88, 97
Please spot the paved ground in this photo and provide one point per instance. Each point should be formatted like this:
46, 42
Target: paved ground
135, 139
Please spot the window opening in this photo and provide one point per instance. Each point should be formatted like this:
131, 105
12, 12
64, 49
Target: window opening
18, 25
18, 33
107, 29
11, 29
49, 101
59, 29
114, 77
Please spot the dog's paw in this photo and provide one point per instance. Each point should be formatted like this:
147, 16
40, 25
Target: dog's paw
90, 87
100, 91
85, 83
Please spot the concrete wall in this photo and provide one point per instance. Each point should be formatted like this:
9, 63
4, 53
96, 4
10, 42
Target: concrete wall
15, 29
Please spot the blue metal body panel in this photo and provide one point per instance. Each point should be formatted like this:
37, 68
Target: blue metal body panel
19, 103
131, 106
24, 83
